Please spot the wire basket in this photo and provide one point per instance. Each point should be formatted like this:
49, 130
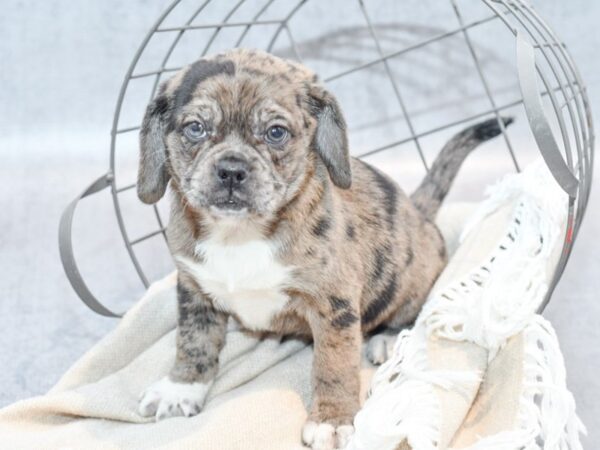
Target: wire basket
406, 75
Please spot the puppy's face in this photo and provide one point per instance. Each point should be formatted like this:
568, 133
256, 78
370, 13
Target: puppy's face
237, 141
239, 133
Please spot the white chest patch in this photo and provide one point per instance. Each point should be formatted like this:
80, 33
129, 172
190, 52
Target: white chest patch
243, 278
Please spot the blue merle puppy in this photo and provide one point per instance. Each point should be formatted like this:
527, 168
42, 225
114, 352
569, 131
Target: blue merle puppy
273, 223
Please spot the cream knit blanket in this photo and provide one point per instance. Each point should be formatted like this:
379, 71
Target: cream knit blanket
479, 370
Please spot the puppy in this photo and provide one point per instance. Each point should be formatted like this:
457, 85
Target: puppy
273, 223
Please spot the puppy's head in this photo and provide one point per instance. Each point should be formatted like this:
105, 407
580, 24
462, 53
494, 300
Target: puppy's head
239, 133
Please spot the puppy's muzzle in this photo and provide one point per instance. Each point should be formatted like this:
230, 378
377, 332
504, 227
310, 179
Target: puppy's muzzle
231, 175
232, 172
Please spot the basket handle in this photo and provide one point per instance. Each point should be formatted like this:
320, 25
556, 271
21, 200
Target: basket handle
540, 126
65, 246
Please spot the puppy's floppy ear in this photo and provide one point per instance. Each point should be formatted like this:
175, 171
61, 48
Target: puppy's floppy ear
153, 175
330, 140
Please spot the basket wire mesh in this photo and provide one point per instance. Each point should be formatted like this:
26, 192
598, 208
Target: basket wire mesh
567, 148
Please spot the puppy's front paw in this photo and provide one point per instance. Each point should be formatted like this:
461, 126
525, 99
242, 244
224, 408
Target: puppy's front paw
167, 398
324, 436
380, 347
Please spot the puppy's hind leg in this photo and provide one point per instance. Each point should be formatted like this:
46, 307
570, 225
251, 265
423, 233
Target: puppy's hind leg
200, 338
380, 344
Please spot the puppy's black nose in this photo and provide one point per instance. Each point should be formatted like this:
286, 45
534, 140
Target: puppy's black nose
232, 172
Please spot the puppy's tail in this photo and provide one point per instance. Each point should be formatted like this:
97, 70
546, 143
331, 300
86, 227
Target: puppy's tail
433, 189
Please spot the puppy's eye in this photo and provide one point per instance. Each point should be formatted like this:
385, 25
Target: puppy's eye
276, 134
195, 131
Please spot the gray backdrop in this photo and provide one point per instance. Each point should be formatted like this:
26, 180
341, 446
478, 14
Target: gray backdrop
61, 66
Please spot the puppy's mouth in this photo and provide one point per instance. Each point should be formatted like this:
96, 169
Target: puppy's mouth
229, 205
232, 204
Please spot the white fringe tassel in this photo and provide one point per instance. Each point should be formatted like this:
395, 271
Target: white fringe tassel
498, 298
546, 417
402, 404
535, 182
